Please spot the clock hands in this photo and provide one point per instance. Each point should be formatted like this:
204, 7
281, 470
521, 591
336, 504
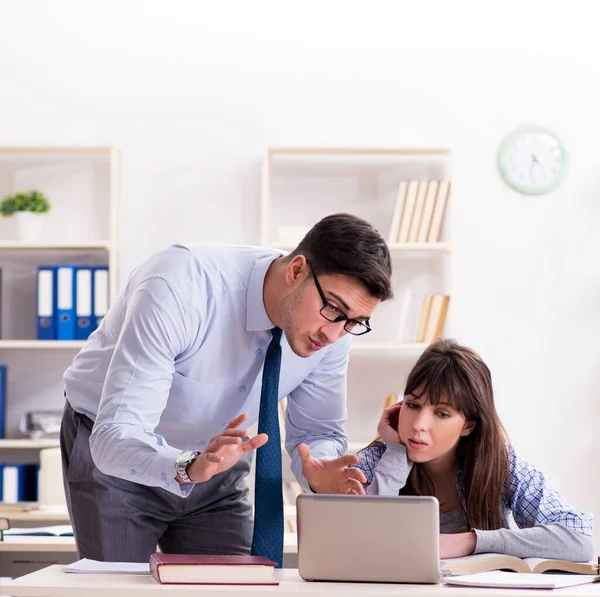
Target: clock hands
534, 162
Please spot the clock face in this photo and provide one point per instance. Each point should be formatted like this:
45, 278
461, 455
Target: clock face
532, 160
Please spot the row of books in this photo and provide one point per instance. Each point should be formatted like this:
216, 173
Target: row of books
419, 211
422, 317
19, 482
71, 300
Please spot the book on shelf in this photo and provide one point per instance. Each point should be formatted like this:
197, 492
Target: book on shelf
415, 223
407, 211
439, 211
397, 213
19, 482
509, 580
436, 318
419, 211
411, 306
422, 317
487, 562
426, 217
212, 569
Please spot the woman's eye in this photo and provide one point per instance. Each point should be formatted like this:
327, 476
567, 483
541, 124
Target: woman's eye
443, 414
412, 405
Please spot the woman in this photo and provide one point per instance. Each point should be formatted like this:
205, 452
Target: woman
445, 439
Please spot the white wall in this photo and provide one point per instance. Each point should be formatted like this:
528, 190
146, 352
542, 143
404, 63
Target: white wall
192, 92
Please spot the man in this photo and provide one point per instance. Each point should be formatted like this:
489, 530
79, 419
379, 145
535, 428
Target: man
152, 441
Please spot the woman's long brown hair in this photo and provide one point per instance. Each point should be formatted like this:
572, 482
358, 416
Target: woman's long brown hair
448, 372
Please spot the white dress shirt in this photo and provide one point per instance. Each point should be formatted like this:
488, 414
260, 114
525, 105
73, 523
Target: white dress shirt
180, 353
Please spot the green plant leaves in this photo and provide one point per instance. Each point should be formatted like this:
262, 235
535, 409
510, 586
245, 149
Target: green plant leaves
33, 201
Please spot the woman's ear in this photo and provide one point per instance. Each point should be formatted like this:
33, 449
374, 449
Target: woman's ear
468, 428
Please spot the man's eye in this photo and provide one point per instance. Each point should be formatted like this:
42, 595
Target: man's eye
333, 310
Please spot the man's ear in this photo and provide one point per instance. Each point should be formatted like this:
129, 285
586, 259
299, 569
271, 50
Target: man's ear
468, 428
296, 270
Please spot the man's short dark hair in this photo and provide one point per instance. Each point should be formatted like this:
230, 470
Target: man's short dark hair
348, 245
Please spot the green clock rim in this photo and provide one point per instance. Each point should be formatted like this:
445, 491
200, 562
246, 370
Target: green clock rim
523, 188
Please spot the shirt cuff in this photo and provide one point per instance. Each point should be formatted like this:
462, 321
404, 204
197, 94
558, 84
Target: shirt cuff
489, 541
167, 473
394, 461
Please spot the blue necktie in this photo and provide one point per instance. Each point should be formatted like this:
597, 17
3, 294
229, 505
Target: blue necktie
267, 540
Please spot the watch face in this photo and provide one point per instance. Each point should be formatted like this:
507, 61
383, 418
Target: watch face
532, 160
185, 456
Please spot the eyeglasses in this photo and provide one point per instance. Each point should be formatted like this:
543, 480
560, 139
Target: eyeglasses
332, 313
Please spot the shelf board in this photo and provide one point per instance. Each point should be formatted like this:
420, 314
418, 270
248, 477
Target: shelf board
28, 444
399, 247
406, 347
54, 246
324, 150
53, 344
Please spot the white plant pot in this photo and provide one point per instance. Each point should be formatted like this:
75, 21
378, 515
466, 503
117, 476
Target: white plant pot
29, 226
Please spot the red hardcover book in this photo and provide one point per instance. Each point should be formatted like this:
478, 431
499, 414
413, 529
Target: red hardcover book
212, 570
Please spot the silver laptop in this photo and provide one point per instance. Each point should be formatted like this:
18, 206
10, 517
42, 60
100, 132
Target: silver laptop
368, 538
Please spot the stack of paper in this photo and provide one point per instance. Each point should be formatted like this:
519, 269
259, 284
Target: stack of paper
86, 566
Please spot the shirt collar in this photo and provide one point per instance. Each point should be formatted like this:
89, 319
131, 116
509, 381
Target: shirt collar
256, 314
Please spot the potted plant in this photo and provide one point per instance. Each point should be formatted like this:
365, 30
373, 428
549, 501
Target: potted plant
26, 208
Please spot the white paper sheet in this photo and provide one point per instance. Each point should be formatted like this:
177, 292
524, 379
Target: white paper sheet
521, 580
86, 566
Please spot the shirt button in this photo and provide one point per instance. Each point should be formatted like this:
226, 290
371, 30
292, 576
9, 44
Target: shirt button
163, 476
133, 471
259, 352
242, 388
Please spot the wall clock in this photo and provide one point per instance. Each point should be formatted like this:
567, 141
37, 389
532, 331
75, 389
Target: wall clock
532, 160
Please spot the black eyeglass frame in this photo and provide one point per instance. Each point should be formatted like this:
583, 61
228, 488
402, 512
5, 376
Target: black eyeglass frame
363, 326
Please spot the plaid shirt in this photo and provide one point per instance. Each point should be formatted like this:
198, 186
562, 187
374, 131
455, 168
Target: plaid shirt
530, 498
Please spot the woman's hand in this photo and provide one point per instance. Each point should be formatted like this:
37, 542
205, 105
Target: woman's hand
388, 424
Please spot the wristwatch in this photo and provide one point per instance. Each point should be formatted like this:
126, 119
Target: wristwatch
183, 460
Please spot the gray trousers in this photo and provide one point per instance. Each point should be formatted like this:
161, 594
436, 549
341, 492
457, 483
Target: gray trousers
117, 520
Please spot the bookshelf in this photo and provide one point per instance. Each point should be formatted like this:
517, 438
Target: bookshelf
82, 184
300, 185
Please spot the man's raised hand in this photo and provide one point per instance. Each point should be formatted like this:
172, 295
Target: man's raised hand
224, 451
331, 476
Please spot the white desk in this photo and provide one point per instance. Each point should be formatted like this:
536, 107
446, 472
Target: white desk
24, 554
52, 582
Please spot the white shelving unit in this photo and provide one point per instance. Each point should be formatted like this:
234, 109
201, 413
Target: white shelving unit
299, 186
41, 344
82, 184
